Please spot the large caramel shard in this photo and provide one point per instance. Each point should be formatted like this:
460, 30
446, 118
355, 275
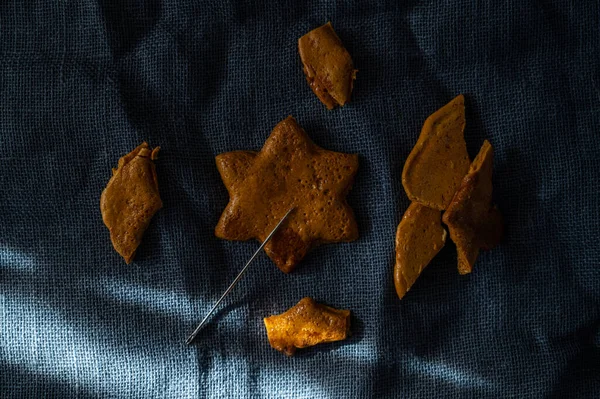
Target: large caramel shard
131, 199
289, 171
473, 222
327, 65
438, 162
306, 324
419, 238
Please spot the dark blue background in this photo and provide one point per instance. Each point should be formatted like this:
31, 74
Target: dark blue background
84, 82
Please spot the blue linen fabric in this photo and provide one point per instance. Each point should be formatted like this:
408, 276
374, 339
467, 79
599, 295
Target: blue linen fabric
84, 82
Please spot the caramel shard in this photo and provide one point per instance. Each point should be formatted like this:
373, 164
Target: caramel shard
438, 162
473, 222
289, 171
327, 65
130, 199
306, 324
419, 238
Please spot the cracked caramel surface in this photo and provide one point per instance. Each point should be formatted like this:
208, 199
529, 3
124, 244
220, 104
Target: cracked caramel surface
131, 199
327, 65
308, 323
436, 165
420, 236
473, 222
289, 171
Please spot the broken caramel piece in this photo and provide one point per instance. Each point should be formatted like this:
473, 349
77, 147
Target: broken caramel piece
289, 171
438, 162
328, 66
306, 324
473, 223
419, 238
130, 199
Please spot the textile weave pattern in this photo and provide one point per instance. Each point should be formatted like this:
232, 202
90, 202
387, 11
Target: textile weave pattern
84, 82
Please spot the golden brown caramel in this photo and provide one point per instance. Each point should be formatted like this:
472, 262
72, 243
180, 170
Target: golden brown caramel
289, 171
131, 199
473, 222
306, 324
438, 162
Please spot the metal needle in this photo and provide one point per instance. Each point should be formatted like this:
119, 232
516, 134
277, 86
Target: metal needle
239, 276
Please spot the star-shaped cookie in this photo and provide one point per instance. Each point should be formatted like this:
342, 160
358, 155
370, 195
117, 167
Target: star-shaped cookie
289, 171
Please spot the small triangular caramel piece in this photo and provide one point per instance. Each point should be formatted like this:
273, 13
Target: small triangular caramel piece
327, 65
420, 236
473, 222
131, 199
306, 324
438, 162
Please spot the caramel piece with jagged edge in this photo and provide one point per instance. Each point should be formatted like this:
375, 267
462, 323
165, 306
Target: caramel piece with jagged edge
328, 66
420, 236
473, 222
306, 324
436, 165
131, 199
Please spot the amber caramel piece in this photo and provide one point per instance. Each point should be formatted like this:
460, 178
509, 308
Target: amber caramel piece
473, 222
420, 236
306, 324
327, 65
438, 162
130, 199
289, 171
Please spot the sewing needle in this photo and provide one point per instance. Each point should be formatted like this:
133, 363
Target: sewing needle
239, 276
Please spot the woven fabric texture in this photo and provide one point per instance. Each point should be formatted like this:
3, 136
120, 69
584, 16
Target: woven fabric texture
84, 82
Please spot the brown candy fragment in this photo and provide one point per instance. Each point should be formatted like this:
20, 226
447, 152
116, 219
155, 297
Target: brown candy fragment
420, 236
131, 199
438, 162
328, 66
473, 222
289, 171
306, 324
